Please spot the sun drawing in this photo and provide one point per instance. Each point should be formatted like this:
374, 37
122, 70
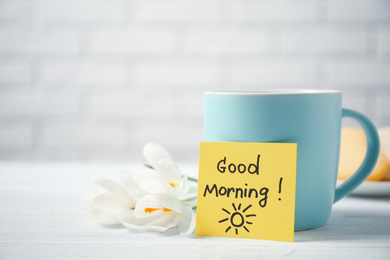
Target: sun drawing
238, 218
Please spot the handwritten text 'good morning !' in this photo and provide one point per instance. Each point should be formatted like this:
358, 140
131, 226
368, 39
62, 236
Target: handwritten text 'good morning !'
238, 192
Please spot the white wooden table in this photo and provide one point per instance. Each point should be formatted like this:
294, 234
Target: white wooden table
42, 216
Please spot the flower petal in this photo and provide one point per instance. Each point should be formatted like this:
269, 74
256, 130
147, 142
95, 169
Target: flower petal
129, 181
156, 222
156, 184
184, 187
145, 203
154, 153
148, 173
89, 197
130, 221
168, 169
112, 203
105, 218
111, 186
170, 201
187, 222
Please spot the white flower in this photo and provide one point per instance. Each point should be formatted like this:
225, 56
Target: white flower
147, 199
168, 178
160, 212
106, 206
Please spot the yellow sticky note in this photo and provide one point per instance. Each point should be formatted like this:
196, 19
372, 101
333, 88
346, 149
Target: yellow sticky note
247, 190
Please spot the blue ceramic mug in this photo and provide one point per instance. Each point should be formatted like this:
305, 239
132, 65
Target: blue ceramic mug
310, 118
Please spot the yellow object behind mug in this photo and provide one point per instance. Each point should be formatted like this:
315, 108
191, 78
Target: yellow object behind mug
352, 151
384, 136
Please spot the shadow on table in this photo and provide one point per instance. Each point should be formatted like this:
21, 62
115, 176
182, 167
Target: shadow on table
354, 222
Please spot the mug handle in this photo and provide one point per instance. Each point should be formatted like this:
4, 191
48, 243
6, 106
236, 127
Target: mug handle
370, 159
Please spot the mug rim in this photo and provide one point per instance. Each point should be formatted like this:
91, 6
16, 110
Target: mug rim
275, 92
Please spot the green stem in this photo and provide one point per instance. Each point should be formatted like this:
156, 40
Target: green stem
149, 166
192, 179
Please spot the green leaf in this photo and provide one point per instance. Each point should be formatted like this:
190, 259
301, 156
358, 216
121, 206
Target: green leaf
149, 166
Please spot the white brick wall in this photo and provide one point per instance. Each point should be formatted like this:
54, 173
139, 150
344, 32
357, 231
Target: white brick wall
126, 105
202, 11
29, 104
359, 10
226, 42
15, 71
360, 73
384, 41
16, 134
79, 11
272, 10
39, 42
167, 72
326, 40
132, 41
96, 80
79, 72
274, 73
